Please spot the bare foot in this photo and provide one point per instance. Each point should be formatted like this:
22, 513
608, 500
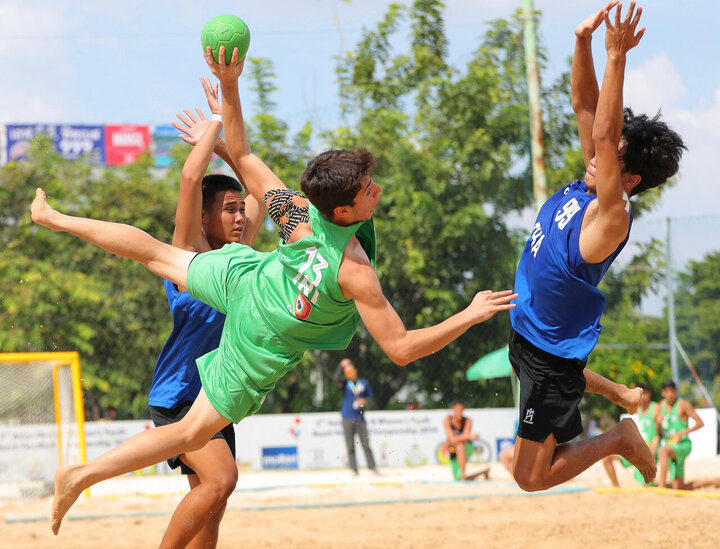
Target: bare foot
636, 450
67, 491
40, 209
630, 399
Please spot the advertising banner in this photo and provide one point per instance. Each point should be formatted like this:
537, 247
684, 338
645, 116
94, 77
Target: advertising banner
164, 138
30, 452
71, 141
19, 137
81, 141
403, 438
398, 439
123, 144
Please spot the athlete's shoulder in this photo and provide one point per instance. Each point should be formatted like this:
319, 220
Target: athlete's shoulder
354, 253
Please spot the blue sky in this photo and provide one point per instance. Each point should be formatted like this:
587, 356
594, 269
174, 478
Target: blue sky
92, 62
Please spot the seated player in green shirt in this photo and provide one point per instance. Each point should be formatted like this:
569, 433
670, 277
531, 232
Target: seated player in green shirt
309, 293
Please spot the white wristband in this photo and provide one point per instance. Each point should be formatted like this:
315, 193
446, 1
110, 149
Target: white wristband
216, 117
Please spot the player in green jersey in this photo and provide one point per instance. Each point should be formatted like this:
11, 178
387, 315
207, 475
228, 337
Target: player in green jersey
646, 418
310, 293
674, 415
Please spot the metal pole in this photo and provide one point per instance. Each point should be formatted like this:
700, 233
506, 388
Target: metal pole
536, 131
672, 334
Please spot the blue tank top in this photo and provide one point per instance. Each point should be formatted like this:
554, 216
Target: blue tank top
559, 306
196, 331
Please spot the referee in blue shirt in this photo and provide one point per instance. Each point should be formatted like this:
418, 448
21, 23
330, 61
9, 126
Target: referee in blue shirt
356, 395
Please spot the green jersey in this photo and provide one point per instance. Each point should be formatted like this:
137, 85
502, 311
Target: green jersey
297, 291
672, 423
277, 305
647, 423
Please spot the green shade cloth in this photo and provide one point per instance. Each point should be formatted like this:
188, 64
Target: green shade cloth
492, 365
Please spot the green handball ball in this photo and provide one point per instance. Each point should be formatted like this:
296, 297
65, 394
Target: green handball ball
229, 31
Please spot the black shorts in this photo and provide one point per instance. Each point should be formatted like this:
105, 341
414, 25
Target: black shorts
166, 416
551, 388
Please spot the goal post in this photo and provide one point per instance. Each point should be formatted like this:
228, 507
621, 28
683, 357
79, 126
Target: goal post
40, 400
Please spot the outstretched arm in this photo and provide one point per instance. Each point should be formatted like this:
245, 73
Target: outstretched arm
193, 128
612, 221
258, 178
584, 85
359, 282
189, 233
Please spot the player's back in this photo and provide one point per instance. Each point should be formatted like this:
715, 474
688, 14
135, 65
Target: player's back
297, 285
559, 306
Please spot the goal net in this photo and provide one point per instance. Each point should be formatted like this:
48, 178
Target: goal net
41, 421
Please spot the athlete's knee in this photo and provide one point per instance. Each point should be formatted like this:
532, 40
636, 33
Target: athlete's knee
218, 486
222, 486
227, 483
529, 481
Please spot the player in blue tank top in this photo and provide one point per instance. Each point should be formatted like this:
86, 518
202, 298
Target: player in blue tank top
211, 212
578, 233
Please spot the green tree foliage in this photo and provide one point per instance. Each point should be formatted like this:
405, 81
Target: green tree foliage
58, 293
698, 318
632, 347
452, 146
453, 151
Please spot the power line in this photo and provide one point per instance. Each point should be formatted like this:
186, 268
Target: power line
135, 35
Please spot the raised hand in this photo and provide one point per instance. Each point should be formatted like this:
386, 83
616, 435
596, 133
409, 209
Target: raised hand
592, 22
222, 71
193, 126
621, 37
212, 95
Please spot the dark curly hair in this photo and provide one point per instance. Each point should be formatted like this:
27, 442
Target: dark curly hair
332, 178
214, 183
653, 150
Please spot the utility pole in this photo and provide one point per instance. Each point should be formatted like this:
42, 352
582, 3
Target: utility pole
537, 144
672, 333
536, 131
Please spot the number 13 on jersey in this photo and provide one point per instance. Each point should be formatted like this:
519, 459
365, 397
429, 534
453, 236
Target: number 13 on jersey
310, 287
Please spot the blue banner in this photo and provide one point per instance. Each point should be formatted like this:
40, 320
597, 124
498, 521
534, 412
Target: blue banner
285, 457
71, 141
82, 141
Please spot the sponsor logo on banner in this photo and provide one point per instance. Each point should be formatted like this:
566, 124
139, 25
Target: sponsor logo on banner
285, 457
295, 429
123, 144
70, 141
